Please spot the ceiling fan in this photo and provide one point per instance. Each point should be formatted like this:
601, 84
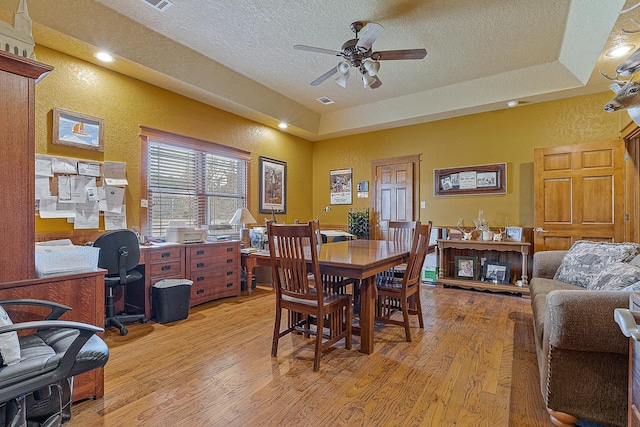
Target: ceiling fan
357, 53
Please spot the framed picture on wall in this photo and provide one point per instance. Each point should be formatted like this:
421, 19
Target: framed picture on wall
340, 186
273, 186
471, 180
77, 130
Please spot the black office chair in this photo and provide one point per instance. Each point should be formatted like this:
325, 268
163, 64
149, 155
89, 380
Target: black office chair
38, 388
119, 255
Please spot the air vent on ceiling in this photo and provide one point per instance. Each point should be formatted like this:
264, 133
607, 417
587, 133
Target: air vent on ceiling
326, 101
161, 5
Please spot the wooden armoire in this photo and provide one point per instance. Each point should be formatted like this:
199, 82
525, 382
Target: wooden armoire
17, 162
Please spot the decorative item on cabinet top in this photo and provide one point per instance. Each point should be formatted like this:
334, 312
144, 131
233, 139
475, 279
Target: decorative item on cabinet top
17, 38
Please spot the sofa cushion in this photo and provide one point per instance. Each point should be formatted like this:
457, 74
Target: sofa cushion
586, 259
615, 276
635, 261
9, 344
633, 288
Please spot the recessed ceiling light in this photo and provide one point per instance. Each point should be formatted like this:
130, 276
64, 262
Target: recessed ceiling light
283, 125
618, 51
513, 103
104, 56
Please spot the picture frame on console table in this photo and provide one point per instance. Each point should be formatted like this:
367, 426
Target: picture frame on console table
465, 268
496, 272
513, 234
77, 130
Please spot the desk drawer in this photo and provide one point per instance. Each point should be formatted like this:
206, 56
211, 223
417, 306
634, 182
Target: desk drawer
214, 250
221, 260
166, 268
164, 254
214, 284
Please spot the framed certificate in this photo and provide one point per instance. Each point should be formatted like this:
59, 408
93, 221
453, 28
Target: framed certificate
514, 234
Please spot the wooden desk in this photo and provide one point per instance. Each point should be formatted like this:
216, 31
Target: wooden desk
212, 266
445, 275
356, 259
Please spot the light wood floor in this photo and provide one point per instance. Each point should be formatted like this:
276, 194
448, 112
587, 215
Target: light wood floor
473, 365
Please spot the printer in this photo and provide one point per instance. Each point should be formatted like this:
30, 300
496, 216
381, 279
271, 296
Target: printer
179, 232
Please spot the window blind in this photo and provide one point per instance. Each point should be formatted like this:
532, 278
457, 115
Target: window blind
197, 183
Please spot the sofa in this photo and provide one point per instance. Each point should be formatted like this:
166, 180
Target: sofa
582, 355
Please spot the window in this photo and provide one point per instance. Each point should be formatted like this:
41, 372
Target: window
199, 182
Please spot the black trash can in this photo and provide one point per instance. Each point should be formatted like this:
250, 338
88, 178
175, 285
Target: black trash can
171, 299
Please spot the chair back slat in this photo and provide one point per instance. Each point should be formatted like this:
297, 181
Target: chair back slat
401, 232
292, 258
418, 253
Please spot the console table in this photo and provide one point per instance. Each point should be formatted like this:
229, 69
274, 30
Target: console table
446, 263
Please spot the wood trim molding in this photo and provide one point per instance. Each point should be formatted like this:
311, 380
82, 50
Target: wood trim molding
147, 132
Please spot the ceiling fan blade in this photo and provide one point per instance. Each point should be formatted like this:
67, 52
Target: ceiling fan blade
325, 76
385, 55
317, 49
368, 35
376, 84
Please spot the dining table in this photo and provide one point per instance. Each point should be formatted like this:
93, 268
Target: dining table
354, 259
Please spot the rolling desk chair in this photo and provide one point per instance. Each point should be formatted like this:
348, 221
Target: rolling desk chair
119, 255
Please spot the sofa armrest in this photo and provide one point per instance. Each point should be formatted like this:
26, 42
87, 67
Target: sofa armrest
546, 263
583, 320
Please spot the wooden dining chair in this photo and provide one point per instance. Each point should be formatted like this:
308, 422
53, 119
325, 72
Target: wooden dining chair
294, 254
395, 292
401, 233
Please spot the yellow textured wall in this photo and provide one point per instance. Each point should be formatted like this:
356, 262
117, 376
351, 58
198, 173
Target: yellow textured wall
508, 136
125, 104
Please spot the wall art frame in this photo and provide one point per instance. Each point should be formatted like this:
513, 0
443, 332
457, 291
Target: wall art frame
341, 186
273, 186
77, 130
471, 180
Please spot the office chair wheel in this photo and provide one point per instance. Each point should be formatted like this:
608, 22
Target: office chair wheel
144, 320
124, 331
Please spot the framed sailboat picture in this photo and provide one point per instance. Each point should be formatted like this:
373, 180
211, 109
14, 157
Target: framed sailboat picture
77, 130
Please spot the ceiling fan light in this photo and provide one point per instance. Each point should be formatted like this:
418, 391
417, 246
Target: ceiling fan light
371, 66
343, 71
343, 68
367, 79
342, 80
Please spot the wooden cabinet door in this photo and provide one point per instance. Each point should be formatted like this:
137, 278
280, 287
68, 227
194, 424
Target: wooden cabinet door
579, 194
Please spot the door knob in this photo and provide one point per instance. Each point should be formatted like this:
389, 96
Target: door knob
541, 230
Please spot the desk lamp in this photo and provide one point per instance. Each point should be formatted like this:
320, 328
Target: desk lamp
243, 217
326, 209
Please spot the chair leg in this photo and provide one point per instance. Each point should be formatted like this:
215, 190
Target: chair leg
405, 317
112, 321
349, 316
419, 309
318, 345
276, 333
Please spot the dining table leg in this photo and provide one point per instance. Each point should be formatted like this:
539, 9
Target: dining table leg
368, 296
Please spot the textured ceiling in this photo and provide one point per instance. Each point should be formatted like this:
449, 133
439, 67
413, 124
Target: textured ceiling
238, 55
